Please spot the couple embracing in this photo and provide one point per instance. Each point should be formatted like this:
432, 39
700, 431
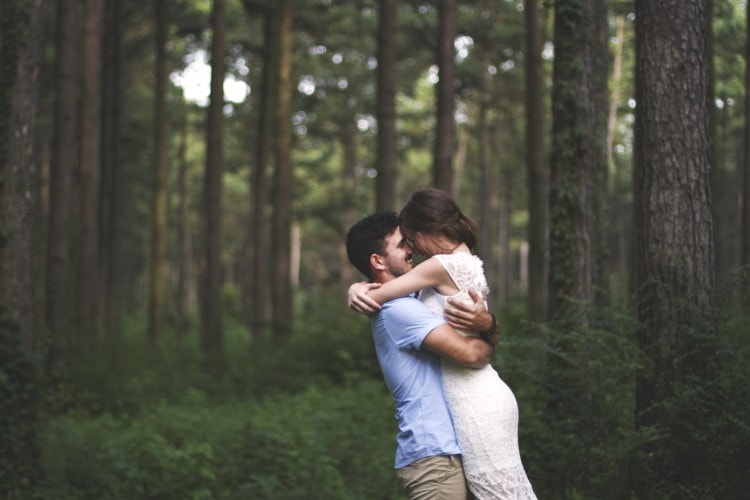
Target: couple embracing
458, 421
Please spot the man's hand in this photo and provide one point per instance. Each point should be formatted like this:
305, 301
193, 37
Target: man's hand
471, 316
358, 300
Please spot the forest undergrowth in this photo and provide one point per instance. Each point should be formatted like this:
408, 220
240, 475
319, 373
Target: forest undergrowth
310, 417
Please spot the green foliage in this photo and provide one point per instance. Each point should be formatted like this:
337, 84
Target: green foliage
702, 434
576, 392
332, 345
706, 434
306, 418
314, 444
310, 417
576, 423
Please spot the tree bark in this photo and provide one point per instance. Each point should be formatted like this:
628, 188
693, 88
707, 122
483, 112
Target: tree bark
348, 133
536, 177
485, 179
22, 27
746, 158
89, 271
159, 213
578, 167
445, 130
260, 228
64, 158
283, 303
112, 182
505, 255
386, 108
186, 286
211, 300
579, 162
675, 247
600, 168
20, 55
487, 195
675, 236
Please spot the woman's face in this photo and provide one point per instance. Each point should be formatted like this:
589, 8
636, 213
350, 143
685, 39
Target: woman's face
426, 244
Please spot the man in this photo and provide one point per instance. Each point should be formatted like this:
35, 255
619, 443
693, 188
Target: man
408, 341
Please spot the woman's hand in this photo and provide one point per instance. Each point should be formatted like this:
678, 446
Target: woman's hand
358, 300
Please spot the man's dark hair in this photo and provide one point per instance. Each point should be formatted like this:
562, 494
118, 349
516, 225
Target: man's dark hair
367, 237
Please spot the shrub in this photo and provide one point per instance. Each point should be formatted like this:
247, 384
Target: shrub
319, 443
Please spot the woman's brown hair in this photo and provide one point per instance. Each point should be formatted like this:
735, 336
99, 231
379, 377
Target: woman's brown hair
432, 211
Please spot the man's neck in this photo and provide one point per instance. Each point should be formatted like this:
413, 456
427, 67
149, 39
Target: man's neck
382, 277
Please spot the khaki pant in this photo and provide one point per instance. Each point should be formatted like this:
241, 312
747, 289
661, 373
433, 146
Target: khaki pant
435, 478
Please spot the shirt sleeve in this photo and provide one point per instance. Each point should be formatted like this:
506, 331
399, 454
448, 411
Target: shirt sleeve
408, 322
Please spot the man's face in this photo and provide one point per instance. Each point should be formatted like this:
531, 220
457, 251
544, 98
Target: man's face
397, 258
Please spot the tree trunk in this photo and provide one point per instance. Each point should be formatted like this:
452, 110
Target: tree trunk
579, 160
211, 301
386, 108
41, 222
445, 130
600, 168
459, 159
260, 227
578, 167
488, 196
20, 56
674, 241
490, 244
505, 255
348, 132
185, 302
536, 170
159, 214
745, 259
64, 158
283, 304
673, 196
21, 49
746, 157
89, 271
112, 182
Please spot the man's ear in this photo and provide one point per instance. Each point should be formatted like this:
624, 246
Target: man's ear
377, 262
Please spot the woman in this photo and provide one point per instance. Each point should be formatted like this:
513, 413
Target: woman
484, 409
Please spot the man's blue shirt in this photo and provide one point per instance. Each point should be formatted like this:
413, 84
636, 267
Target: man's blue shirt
413, 377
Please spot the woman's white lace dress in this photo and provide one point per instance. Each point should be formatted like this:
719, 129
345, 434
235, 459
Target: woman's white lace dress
484, 409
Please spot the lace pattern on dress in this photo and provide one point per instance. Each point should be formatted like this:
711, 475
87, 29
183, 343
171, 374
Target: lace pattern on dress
467, 273
483, 408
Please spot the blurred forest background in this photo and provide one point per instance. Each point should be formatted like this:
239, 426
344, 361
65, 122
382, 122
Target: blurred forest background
177, 178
